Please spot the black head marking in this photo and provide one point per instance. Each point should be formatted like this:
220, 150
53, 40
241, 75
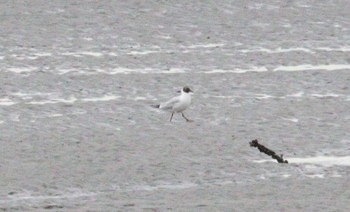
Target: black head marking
187, 89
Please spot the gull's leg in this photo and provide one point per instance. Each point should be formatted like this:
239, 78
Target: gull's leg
171, 116
188, 120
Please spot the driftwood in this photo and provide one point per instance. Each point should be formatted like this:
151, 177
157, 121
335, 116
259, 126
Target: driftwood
262, 148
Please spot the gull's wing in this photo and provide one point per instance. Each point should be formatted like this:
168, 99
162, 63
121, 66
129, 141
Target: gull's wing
170, 104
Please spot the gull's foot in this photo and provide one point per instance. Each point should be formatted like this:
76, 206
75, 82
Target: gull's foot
188, 120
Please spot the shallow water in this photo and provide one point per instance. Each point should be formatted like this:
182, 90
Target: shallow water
78, 79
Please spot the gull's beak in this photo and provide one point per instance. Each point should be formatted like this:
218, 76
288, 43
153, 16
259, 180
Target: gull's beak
191, 91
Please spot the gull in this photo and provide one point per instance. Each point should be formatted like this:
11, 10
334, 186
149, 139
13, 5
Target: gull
178, 104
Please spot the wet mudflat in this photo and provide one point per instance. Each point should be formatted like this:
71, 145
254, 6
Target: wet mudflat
77, 132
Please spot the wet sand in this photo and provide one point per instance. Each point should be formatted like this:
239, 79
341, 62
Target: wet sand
78, 132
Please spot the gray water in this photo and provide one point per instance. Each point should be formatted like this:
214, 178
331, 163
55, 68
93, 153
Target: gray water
77, 79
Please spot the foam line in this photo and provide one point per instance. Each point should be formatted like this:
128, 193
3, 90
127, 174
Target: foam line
277, 50
97, 99
237, 70
7, 102
318, 160
306, 67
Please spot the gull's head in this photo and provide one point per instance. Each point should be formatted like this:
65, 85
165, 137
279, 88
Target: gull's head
186, 90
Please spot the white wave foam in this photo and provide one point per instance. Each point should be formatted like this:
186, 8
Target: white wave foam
72, 100
163, 186
113, 54
92, 54
329, 95
177, 186
166, 37
30, 94
142, 52
96, 99
54, 101
323, 160
299, 94
7, 102
224, 97
28, 196
294, 49
204, 45
43, 54
315, 175
74, 54
65, 71
237, 70
318, 160
19, 70
295, 120
340, 49
277, 50
122, 70
83, 53
149, 70
55, 115
265, 96
51, 98
306, 67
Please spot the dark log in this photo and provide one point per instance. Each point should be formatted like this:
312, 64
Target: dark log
262, 148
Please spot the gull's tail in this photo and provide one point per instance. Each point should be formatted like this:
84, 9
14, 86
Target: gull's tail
155, 106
